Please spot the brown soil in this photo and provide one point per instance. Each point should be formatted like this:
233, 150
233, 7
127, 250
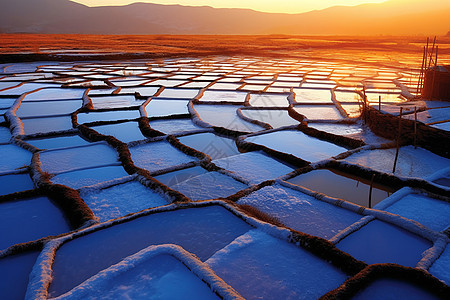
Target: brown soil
386, 50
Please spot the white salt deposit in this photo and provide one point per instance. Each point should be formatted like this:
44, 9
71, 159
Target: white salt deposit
13, 158
298, 144
140, 254
253, 166
318, 112
158, 155
300, 211
201, 231
173, 125
225, 116
120, 200
411, 162
162, 108
433, 213
211, 185
440, 267
98, 154
259, 266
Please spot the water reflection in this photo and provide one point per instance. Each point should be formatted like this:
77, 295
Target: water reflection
341, 185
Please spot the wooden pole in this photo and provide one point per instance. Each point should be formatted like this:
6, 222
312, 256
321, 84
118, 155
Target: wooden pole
435, 60
425, 68
431, 53
364, 104
415, 127
398, 139
370, 191
421, 75
379, 103
434, 75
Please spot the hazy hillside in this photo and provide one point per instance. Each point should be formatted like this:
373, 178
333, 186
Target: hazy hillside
63, 16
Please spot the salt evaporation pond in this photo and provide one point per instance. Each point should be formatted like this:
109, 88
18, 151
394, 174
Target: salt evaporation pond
54, 94
224, 96
107, 116
380, 242
431, 212
269, 100
15, 159
6, 103
339, 129
14, 273
33, 109
173, 125
178, 93
411, 162
298, 144
256, 258
275, 118
175, 177
352, 110
46, 125
166, 82
24, 88
341, 185
393, 289
120, 200
253, 166
125, 132
30, 219
58, 142
312, 96
158, 156
201, 231
6, 85
440, 267
146, 91
225, 116
242, 210
61, 160
318, 113
213, 145
104, 102
15, 183
5, 135
210, 185
163, 108
162, 276
300, 211
90, 176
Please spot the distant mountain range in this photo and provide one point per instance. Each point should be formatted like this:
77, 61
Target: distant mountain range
394, 17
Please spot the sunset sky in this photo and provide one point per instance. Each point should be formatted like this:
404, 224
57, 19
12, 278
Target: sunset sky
285, 6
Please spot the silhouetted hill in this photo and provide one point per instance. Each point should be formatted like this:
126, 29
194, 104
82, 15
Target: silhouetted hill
395, 17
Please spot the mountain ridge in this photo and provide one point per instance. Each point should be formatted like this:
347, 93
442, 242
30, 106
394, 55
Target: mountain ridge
64, 16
